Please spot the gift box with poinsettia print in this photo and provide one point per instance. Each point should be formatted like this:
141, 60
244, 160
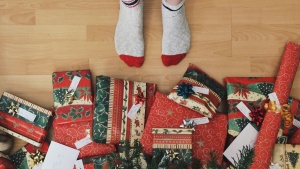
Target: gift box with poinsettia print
29, 156
23, 119
5, 162
207, 138
286, 156
115, 100
198, 91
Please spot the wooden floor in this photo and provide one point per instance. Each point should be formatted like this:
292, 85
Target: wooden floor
229, 38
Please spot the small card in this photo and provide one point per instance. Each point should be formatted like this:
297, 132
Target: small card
246, 138
273, 97
134, 109
74, 83
83, 142
202, 120
296, 123
244, 109
79, 164
26, 114
60, 157
201, 90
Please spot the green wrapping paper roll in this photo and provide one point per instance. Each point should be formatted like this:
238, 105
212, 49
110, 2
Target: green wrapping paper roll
267, 136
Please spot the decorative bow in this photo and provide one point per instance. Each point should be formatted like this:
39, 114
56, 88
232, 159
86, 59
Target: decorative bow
13, 108
184, 90
37, 157
69, 96
257, 115
139, 98
187, 123
172, 155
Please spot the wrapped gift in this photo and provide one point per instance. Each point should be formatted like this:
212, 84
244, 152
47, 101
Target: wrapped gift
286, 156
23, 119
121, 108
5, 162
29, 156
207, 138
198, 91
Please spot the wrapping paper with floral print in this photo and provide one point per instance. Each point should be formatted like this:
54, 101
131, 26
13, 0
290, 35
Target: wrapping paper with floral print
114, 99
11, 121
205, 104
206, 137
24, 157
267, 136
286, 156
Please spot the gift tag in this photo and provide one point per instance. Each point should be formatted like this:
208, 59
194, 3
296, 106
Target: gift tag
133, 110
26, 114
244, 109
199, 121
74, 83
273, 97
79, 164
201, 90
296, 123
83, 142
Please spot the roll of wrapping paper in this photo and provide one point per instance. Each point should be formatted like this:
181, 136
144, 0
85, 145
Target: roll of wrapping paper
268, 132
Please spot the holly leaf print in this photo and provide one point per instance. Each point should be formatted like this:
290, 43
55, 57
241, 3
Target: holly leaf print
53, 76
87, 114
88, 76
64, 116
60, 79
80, 109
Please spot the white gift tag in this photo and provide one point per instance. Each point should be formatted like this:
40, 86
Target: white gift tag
79, 164
199, 121
273, 97
296, 123
26, 114
201, 90
74, 83
244, 109
83, 142
133, 110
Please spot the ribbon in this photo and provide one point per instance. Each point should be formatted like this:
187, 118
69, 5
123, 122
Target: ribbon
184, 90
172, 155
69, 96
37, 157
139, 98
257, 115
187, 123
13, 108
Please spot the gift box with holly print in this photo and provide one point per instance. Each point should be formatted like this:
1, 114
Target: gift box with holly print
114, 100
286, 156
23, 119
29, 156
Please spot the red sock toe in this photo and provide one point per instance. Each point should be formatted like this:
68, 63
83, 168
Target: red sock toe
169, 60
132, 60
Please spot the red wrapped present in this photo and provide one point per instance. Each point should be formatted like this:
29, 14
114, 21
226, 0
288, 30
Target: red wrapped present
23, 119
5, 162
207, 138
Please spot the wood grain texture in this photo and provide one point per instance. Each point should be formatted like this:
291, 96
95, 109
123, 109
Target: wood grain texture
229, 38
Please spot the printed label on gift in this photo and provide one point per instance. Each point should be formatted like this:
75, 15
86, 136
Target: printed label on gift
296, 123
26, 114
199, 121
201, 90
134, 109
83, 142
244, 109
74, 83
79, 164
273, 97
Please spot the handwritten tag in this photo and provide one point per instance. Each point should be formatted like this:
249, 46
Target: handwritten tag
134, 109
296, 123
244, 109
79, 164
74, 83
26, 114
201, 90
273, 97
83, 142
199, 121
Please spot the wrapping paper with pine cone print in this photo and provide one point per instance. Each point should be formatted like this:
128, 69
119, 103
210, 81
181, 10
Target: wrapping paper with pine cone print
206, 137
11, 121
267, 136
286, 156
114, 99
24, 157
206, 105
73, 123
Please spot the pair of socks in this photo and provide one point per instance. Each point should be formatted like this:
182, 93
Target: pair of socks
129, 40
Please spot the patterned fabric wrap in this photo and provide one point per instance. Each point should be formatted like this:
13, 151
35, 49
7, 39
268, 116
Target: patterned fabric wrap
206, 137
114, 99
286, 155
177, 139
22, 158
32, 132
206, 105
286, 74
100, 163
5, 163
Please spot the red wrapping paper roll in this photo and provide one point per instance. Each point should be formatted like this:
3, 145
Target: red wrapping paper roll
267, 135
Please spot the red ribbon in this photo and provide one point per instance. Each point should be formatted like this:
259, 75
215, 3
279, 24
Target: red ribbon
139, 98
257, 115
